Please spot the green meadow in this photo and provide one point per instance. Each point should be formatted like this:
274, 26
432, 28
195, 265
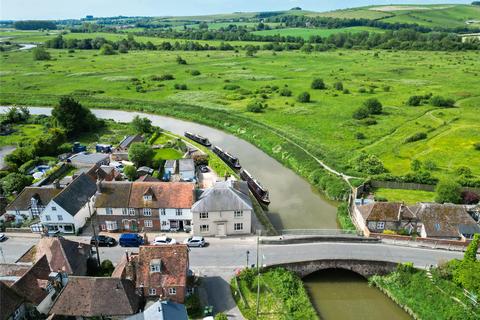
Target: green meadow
229, 81
306, 33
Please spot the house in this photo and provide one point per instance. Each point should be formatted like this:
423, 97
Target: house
12, 304
144, 171
446, 221
108, 173
158, 271
32, 201
97, 297
162, 310
186, 169
88, 160
380, 216
68, 211
170, 167
128, 141
63, 255
223, 209
146, 206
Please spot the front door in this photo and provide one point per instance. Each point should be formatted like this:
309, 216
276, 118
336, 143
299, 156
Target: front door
221, 230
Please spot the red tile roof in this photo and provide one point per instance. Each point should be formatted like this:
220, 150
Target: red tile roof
33, 283
164, 195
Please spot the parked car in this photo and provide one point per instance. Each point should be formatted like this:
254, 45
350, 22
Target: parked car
195, 242
203, 169
163, 240
131, 240
3, 237
103, 241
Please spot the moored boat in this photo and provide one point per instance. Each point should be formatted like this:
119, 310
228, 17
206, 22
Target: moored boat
260, 193
198, 138
232, 161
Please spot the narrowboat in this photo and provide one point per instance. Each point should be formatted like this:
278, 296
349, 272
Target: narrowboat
260, 193
232, 161
198, 138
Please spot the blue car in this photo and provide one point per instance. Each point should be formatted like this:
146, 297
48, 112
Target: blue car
130, 240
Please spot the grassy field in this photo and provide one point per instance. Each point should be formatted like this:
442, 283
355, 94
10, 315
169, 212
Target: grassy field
306, 33
24, 132
407, 196
167, 154
324, 126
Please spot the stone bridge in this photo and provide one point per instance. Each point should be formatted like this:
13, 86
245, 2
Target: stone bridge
365, 268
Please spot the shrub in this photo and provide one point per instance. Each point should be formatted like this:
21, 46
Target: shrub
361, 113
338, 86
360, 136
346, 91
430, 165
163, 77
178, 86
221, 316
107, 50
476, 146
318, 84
439, 101
464, 171
304, 97
362, 90
369, 163
195, 73
130, 172
416, 137
373, 106
180, 60
389, 232
256, 107
15, 182
288, 93
231, 87
470, 197
369, 122
414, 101
448, 192
40, 54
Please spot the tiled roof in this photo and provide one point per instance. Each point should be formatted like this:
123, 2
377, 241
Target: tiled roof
224, 196
386, 211
128, 140
444, 220
113, 194
174, 266
32, 284
94, 297
165, 195
76, 194
10, 300
23, 200
147, 178
62, 255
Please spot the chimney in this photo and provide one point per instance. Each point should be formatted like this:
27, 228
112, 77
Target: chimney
56, 184
99, 186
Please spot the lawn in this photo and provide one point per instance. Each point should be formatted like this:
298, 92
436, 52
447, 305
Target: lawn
167, 154
23, 132
161, 139
306, 33
407, 196
324, 126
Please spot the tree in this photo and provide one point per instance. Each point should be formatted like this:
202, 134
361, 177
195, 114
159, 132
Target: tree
464, 171
250, 50
17, 115
107, 50
40, 54
471, 252
439, 101
373, 106
130, 172
221, 316
141, 125
414, 101
318, 84
106, 268
73, 117
140, 154
15, 182
448, 191
415, 165
369, 163
285, 92
361, 113
304, 97
338, 86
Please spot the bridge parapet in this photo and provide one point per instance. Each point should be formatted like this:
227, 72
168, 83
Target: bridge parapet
365, 268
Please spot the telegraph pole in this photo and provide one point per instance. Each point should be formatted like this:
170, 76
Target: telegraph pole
258, 276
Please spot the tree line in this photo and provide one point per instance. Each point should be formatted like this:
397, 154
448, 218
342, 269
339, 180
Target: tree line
34, 25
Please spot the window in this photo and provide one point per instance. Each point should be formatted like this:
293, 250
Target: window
147, 197
111, 225
60, 217
103, 227
380, 225
372, 225
147, 211
152, 291
172, 291
109, 211
124, 211
204, 228
155, 265
178, 212
131, 211
203, 215
164, 223
148, 223
238, 226
54, 208
238, 214
48, 218
163, 212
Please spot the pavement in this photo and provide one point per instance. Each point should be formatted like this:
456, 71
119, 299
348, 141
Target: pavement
216, 263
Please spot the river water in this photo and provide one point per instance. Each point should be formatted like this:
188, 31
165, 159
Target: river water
295, 205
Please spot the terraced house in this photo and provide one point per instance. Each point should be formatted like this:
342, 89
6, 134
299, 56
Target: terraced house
144, 206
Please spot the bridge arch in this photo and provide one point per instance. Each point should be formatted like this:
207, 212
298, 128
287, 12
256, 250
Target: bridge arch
365, 268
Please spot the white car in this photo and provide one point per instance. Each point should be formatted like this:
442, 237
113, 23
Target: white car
195, 242
3, 237
163, 240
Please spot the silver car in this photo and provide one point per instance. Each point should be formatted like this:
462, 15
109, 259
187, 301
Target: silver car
195, 242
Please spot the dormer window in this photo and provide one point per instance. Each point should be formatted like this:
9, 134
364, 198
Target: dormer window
155, 265
147, 197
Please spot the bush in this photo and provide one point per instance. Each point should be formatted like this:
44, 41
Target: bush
140, 154
40, 54
180, 60
107, 50
373, 106
361, 113
178, 86
221, 316
163, 77
231, 87
318, 84
414, 101
304, 97
106, 268
470, 197
338, 86
359, 136
130, 172
439, 101
416, 137
195, 73
256, 107
464, 171
288, 93
476, 146
15, 182
362, 90
369, 163
448, 192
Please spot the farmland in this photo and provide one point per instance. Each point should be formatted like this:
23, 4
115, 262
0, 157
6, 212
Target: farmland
306, 33
229, 81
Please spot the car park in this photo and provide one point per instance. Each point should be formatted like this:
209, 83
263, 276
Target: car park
131, 240
195, 242
103, 241
163, 240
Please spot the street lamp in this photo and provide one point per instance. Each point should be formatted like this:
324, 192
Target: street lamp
248, 252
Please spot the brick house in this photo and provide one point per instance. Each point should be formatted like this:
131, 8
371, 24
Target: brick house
158, 271
380, 216
144, 206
